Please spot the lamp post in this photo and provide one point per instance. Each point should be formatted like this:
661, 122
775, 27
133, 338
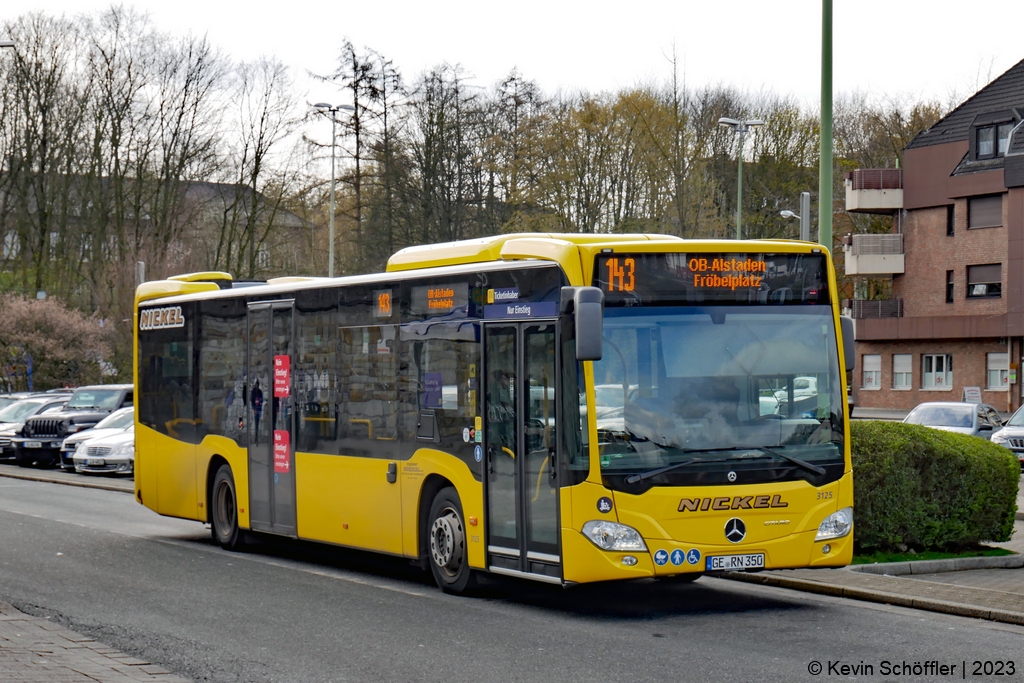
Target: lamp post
741, 128
332, 109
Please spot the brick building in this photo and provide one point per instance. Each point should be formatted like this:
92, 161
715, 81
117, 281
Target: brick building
956, 258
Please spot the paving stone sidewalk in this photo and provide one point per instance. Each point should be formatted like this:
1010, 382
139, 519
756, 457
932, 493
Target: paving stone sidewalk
933, 592
36, 650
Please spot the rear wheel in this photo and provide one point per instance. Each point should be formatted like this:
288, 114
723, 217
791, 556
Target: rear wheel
446, 543
224, 510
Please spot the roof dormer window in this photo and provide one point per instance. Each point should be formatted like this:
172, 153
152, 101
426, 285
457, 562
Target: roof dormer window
993, 140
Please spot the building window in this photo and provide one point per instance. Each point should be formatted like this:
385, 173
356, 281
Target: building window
937, 371
950, 220
985, 212
993, 140
902, 371
949, 286
872, 364
998, 372
984, 281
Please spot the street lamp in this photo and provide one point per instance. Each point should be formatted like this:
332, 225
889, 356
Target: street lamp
741, 128
332, 109
804, 216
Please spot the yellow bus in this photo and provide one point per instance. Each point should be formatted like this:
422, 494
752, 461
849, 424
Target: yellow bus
562, 408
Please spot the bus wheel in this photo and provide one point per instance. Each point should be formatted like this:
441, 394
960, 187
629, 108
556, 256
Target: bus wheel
224, 517
447, 543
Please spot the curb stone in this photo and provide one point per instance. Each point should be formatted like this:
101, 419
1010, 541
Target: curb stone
939, 566
86, 483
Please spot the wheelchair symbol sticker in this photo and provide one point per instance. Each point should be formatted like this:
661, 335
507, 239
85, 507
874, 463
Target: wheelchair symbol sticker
693, 557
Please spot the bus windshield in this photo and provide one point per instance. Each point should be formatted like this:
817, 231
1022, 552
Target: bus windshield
712, 390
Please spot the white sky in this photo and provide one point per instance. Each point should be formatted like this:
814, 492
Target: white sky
923, 48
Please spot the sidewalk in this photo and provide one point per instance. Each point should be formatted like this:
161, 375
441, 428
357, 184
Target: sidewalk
36, 650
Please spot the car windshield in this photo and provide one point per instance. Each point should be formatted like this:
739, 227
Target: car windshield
703, 385
105, 399
17, 412
118, 420
942, 416
1017, 419
7, 400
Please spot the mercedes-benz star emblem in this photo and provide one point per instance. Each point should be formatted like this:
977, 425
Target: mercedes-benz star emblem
731, 476
735, 530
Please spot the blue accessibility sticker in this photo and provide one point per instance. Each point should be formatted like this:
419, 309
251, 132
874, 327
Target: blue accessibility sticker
693, 557
478, 453
677, 557
661, 557
604, 504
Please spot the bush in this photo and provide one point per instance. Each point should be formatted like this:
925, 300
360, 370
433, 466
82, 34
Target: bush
926, 489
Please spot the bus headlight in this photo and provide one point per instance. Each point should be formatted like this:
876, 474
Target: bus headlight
613, 536
836, 525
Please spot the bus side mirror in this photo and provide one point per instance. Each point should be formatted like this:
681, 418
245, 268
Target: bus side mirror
849, 349
588, 313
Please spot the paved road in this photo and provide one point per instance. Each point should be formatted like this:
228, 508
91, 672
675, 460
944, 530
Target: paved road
158, 589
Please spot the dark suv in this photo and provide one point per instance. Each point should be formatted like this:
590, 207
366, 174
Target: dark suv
38, 442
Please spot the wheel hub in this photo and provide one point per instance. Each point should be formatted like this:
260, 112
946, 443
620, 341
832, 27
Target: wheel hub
447, 541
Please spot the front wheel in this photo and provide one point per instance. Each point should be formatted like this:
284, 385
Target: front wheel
446, 546
224, 510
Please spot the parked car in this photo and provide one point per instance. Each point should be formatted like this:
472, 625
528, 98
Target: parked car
14, 397
115, 423
14, 415
1012, 435
38, 442
976, 419
113, 453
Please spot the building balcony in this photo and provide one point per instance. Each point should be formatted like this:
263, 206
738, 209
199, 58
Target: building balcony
874, 254
876, 308
874, 190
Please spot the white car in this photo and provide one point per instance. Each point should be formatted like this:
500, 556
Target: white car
114, 453
115, 423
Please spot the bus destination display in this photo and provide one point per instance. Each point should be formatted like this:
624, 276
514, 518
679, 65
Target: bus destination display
703, 278
439, 299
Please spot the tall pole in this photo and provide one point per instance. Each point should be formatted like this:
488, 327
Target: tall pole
334, 147
739, 185
825, 150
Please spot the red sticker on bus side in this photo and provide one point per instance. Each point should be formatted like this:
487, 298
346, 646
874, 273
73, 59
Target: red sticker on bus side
282, 376
282, 451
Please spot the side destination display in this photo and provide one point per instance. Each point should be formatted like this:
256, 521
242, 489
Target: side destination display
703, 278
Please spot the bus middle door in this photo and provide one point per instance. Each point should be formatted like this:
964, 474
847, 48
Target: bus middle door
271, 418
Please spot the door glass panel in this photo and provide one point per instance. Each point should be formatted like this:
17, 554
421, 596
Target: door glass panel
282, 402
258, 419
539, 429
501, 435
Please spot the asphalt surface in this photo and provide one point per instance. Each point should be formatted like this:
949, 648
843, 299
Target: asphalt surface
158, 589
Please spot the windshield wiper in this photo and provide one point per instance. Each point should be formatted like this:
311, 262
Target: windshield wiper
635, 478
796, 461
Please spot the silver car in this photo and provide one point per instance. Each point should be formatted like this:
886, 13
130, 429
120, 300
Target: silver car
1012, 435
976, 419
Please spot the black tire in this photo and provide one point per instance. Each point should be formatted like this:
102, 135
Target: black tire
446, 547
22, 460
689, 577
224, 510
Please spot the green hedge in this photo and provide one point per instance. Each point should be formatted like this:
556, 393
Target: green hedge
925, 489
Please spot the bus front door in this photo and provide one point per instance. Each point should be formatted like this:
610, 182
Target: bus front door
521, 473
271, 418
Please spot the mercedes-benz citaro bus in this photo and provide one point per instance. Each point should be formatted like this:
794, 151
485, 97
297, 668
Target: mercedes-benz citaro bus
562, 408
